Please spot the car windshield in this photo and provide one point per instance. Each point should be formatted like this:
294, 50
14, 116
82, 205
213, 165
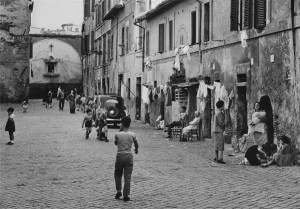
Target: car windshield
111, 102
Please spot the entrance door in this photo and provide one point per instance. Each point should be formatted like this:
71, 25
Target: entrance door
138, 98
241, 105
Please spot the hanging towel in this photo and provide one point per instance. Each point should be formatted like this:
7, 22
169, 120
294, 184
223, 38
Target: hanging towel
231, 95
122, 91
217, 91
224, 96
169, 96
177, 62
244, 38
199, 91
186, 49
145, 97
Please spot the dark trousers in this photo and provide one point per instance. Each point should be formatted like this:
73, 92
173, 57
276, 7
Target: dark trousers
61, 104
124, 164
172, 125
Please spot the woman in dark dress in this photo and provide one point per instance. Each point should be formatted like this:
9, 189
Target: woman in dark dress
71, 99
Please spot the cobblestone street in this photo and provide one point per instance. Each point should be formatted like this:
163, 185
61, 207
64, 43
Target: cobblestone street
51, 165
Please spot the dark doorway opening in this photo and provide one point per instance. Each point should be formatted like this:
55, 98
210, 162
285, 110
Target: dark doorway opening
241, 102
207, 111
138, 98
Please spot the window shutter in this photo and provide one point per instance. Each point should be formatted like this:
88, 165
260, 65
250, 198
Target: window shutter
260, 14
147, 43
161, 38
234, 15
248, 14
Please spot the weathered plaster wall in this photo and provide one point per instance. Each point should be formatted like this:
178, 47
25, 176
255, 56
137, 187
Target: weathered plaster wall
15, 20
162, 63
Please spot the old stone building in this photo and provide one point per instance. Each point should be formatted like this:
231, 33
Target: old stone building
206, 50
15, 20
56, 61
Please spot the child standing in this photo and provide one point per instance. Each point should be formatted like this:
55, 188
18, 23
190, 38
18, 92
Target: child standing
124, 159
10, 125
25, 105
219, 128
101, 122
83, 103
88, 121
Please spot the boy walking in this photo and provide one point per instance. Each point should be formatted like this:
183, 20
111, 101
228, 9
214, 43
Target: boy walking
88, 122
219, 128
25, 105
10, 125
124, 160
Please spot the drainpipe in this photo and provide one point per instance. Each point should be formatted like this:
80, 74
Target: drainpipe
293, 31
200, 28
143, 56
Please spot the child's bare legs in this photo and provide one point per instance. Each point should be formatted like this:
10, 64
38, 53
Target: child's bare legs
24, 109
11, 138
87, 132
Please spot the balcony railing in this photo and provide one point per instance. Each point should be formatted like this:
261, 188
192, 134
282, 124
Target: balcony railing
115, 7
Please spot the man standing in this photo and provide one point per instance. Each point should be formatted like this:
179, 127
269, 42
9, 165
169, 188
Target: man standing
61, 98
182, 120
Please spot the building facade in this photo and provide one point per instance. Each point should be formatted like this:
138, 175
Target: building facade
15, 24
206, 50
56, 61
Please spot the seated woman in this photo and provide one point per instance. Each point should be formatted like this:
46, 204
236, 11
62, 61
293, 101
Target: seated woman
255, 152
193, 125
285, 156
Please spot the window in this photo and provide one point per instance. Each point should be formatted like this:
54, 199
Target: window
103, 9
87, 43
234, 15
111, 47
86, 8
50, 67
104, 49
128, 88
206, 22
161, 38
108, 46
127, 40
260, 8
99, 14
171, 35
123, 42
147, 43
247, 13
100, 51
93, 5
92, 40
108, 5
194, 28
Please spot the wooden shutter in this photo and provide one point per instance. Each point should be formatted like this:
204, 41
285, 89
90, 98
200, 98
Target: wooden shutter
93, 5
260, 14
147, 43
92, 40
193, 26
161, 41
234, 15
247, 14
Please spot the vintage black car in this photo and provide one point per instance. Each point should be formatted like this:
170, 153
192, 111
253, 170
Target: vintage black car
114, 108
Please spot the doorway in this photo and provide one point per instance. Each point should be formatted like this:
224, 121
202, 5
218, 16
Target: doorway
207, 111
241, 105
138, 98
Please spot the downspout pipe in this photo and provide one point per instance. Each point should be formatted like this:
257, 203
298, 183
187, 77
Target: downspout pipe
293, 30
200, 28
143, 50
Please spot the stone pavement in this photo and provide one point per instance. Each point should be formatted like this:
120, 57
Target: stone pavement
51, 165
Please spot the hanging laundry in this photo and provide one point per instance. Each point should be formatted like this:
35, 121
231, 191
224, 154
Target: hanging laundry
202, 90
176, 50
217, 91
211, 87
199, 91
231, 95
244, 38
122, 90
177, 62
224, 96
145, 97
186, 49
169, 96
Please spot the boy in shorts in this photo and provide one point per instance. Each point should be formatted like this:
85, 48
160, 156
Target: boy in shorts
124, 160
